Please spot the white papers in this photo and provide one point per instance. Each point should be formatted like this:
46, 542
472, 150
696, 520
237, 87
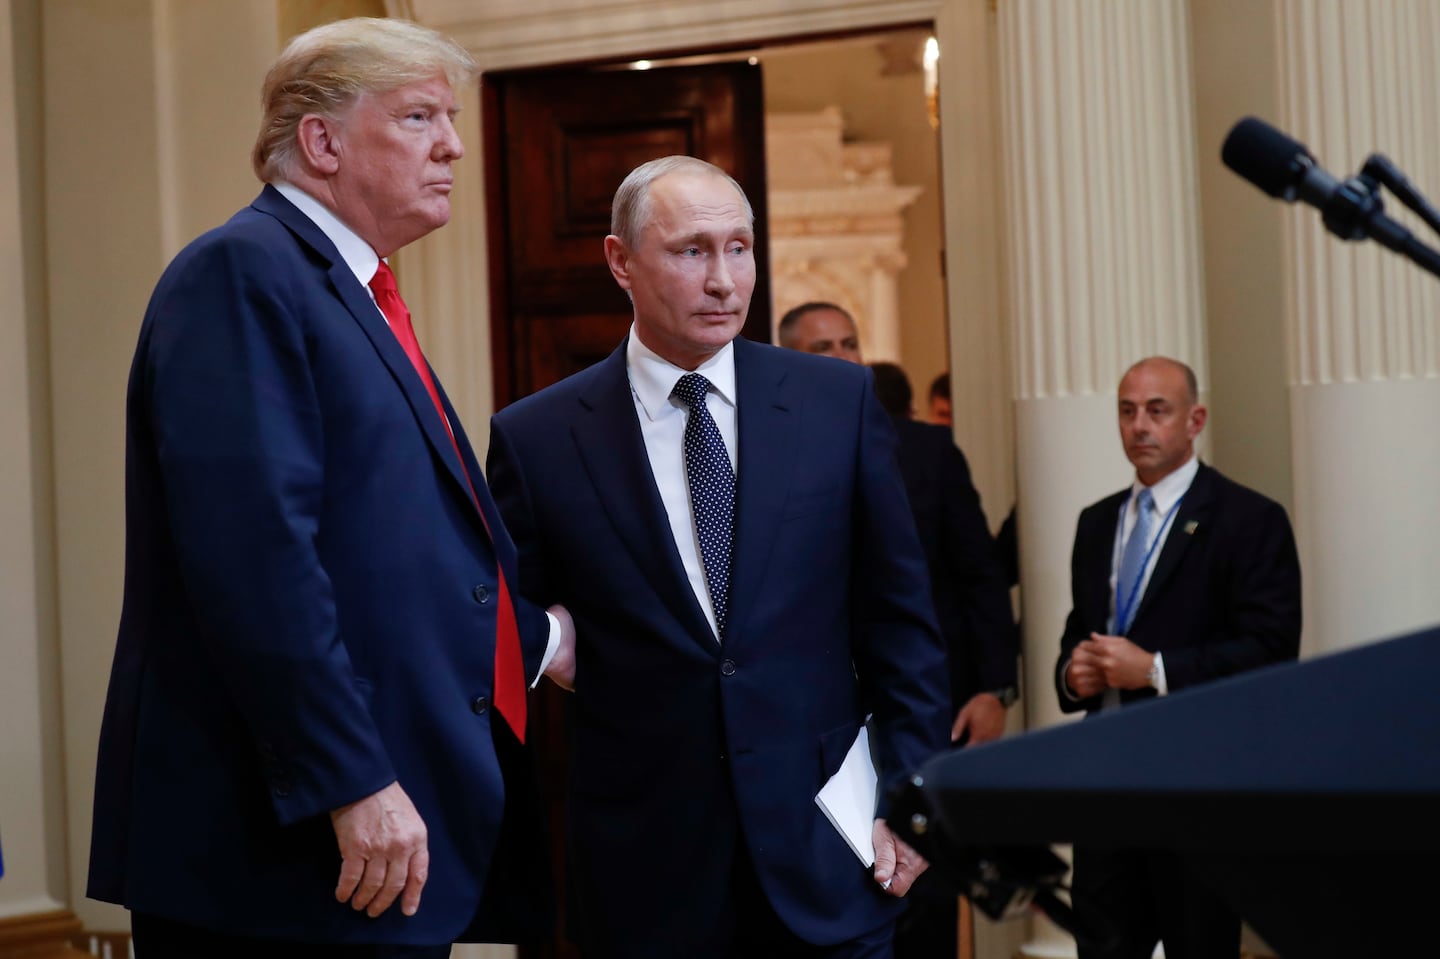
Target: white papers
848, 799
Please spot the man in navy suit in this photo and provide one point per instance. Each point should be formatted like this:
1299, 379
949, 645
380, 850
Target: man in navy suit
732, 637
301, 732
972, 598
1183, 578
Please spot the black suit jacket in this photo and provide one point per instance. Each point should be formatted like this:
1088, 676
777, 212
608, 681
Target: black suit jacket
685, 747
1224, 596
972, 597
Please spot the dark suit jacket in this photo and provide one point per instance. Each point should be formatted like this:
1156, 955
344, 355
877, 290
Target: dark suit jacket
1224, 596
309, 605
972, 597
682, 745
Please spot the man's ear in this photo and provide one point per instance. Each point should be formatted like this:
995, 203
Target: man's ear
618, 259
319, 145
1198, 415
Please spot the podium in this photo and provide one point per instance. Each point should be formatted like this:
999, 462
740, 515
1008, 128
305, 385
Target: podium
1307, 794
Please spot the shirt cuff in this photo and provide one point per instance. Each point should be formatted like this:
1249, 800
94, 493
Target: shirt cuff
1162, 688
1065, 683
551, 645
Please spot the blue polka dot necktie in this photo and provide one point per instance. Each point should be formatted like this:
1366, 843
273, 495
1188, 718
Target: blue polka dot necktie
712, 491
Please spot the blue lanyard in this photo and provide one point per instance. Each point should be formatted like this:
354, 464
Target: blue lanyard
1123, 611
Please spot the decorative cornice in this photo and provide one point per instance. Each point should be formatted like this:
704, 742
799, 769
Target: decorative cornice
512, 33
860, 201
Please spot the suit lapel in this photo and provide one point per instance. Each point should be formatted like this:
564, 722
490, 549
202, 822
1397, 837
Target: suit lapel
362, 308
607, 433
765, 428
1193, 512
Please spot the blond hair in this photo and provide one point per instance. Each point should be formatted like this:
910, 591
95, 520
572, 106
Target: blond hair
325, 70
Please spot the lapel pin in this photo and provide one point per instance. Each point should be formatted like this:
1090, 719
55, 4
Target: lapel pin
1191, 526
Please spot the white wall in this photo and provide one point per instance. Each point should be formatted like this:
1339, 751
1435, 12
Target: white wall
32, 803
134, 166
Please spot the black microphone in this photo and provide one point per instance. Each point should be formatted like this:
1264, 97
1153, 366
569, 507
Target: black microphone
1351, 209
1278, 165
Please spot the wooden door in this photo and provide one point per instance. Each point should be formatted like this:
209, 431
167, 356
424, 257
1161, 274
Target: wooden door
558, 144
567, 139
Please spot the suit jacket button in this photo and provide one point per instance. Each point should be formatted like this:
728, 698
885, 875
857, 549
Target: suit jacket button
281, 787
481, 594
479, 705
727, 667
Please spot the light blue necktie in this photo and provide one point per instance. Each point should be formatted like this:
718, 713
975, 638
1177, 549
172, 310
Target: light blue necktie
712, 491
1132, 562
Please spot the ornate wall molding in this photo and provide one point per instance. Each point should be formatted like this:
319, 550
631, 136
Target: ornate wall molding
836, 231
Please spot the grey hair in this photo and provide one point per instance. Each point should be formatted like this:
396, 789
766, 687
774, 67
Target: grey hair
630, 210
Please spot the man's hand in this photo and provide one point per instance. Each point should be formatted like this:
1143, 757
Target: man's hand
561, 668
1085, 676
383, 851
983, 716
897, 866
1122, 664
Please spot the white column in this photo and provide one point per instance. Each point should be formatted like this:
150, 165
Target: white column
1104, 268
1361, 325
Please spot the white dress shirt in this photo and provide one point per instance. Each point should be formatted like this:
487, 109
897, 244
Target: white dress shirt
1167, 494
363, 261
662, 424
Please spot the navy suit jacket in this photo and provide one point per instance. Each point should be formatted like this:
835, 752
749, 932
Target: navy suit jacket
967, 580
1224, 596
309, 609
683, 745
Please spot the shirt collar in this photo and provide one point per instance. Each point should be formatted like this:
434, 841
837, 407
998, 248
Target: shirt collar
358, 255
1169, 489
652, 378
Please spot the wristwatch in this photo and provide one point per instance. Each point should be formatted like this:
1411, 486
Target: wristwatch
1006, 694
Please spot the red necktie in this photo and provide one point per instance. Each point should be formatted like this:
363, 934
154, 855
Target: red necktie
509, 666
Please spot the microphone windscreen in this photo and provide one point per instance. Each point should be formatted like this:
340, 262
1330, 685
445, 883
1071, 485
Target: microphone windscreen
1265, 156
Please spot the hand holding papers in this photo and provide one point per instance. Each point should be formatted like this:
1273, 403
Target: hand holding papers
848, 799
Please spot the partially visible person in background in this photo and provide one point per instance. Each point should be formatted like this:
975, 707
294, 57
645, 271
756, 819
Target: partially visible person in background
939, 400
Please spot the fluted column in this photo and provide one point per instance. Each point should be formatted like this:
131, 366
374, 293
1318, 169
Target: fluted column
1364, 347
1104, 269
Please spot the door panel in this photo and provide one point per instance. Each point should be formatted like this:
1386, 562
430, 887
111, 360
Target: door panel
568, 139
